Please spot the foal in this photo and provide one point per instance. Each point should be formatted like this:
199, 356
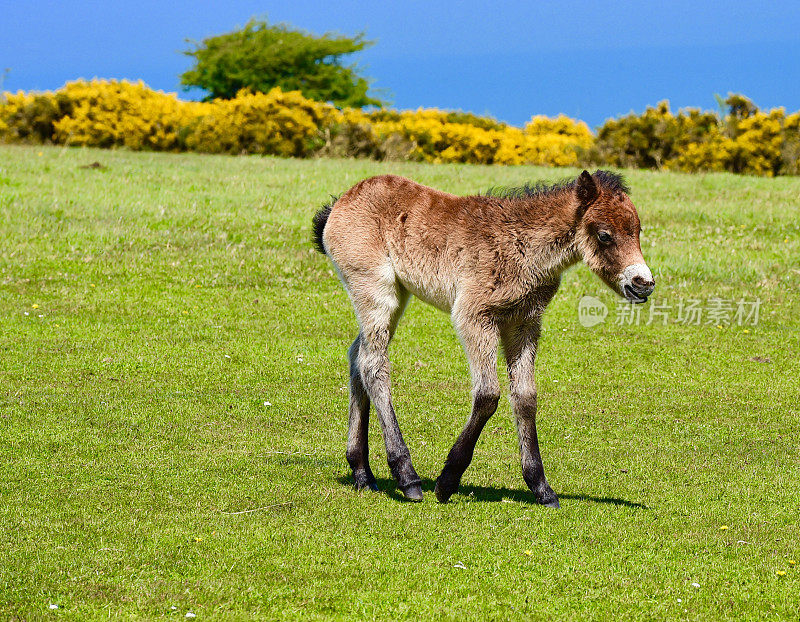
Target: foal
494, 263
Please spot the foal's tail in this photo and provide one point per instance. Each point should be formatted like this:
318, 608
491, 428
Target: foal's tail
318, 224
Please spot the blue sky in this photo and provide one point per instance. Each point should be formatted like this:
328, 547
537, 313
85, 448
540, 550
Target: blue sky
591, 60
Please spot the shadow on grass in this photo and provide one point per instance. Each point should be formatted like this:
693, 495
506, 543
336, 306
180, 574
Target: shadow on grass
488, 494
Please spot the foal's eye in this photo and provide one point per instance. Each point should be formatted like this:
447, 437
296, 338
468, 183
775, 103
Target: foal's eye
604, 237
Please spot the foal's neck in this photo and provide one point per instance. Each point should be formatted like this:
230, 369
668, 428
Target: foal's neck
549, 224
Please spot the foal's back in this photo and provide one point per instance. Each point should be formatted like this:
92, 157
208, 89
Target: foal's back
390, 227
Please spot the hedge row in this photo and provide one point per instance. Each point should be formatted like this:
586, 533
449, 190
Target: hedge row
119, 113
745, 140
110, 113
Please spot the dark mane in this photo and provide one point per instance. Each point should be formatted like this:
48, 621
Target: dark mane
611, 182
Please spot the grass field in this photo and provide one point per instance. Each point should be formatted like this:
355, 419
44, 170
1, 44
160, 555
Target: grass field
173, 410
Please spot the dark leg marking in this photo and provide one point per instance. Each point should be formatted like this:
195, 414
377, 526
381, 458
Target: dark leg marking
357, 438
480, 344
484, 406
520, 348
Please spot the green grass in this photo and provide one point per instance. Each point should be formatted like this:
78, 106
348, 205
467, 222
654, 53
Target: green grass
177, 294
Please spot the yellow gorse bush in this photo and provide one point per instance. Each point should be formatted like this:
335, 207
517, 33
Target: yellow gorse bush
753, 146
746, 140
285, 124
28, 117
550, 142
110, 113
437, 138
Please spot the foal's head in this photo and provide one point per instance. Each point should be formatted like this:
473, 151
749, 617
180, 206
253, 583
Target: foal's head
607, 235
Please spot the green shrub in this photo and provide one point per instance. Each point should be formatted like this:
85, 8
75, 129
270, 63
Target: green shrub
262, 56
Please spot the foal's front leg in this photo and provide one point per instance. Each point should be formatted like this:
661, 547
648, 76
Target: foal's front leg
519, 344
480, 343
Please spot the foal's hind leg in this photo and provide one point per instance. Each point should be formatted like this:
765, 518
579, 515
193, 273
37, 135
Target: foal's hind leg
520, 344
480, 344
357, 443
379, 303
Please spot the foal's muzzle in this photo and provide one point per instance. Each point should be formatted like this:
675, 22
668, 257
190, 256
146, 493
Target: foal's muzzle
636, 283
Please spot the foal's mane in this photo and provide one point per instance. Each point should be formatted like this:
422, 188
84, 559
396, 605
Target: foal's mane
611, 182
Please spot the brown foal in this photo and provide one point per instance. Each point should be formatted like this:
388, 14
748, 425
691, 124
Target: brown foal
494, 263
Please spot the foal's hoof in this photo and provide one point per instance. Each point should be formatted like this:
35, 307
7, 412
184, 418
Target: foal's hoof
549, 499
412, 492
442, 495
367, 486
364, 482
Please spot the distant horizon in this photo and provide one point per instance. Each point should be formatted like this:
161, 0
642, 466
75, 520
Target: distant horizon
587, 62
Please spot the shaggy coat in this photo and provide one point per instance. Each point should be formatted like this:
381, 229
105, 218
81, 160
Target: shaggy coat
493, 262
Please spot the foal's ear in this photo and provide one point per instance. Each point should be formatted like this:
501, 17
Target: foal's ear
586, 190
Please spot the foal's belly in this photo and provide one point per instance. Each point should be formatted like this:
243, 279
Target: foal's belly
429, 281
437, 296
